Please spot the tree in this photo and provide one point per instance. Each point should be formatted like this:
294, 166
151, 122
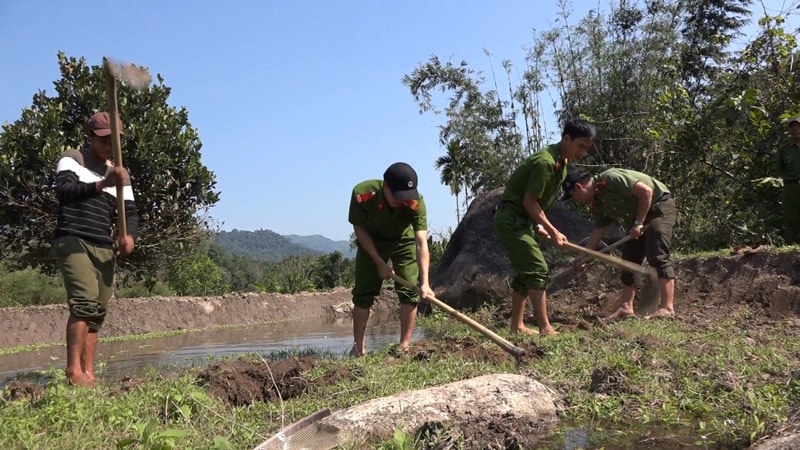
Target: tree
173, 189
197, 274
481, 123
455, 172
669, 94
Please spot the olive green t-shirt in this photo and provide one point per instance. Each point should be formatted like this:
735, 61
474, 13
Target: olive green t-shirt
615, 200
540, 175
369, 209
788, 160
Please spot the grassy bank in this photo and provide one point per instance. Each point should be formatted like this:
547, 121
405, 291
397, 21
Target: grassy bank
721, 387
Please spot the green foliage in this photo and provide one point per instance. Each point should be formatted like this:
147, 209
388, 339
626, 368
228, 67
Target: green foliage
29, 287
161, 150
143, 289
671, 97
197, 274
481, 127
322, 244
263, 245
437, 248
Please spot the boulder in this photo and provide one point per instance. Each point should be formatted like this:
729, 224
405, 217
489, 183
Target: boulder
474, 269
506, 396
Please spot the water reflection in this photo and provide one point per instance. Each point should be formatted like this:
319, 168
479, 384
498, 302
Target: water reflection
198, 348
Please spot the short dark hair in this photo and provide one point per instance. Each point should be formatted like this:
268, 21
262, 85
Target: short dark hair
578, 128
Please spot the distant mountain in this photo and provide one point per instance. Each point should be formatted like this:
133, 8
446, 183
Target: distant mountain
322, 244
263, 245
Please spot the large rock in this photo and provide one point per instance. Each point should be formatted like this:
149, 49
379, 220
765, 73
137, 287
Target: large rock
474, 268
505, 396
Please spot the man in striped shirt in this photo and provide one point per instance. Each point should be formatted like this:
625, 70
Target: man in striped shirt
86, 183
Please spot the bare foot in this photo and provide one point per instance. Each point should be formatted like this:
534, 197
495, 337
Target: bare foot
549, 331
356, 353
524, 330
621, 313
80, 380
661, 313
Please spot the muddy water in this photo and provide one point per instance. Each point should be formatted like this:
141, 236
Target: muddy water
198, 348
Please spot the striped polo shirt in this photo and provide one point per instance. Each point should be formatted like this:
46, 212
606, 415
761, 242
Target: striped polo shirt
83, 212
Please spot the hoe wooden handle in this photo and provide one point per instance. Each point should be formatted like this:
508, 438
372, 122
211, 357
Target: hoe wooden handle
504, 344
116, 146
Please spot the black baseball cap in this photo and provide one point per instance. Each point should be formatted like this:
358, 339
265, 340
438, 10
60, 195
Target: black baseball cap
402, 181
574, 176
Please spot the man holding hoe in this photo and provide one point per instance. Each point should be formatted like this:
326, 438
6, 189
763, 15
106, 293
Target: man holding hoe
638, 200
390, 223
85, 181
531, 190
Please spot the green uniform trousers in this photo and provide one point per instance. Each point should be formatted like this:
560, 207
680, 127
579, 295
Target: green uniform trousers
790, 198
403, 254
527, 260
655, 243
88, 278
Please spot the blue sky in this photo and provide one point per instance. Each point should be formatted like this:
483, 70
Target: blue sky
295, 101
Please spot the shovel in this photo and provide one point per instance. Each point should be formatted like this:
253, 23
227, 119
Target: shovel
515, 351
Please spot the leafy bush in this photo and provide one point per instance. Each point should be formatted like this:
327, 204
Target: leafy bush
30, 287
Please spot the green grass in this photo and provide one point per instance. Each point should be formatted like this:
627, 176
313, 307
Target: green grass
718, 383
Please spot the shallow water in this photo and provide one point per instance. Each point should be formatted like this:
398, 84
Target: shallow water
199, 348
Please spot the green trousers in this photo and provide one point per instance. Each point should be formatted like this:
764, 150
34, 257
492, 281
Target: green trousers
527, 260
790, 198
88, 278
654, 244
403, 254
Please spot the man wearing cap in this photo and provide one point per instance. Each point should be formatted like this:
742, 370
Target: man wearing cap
637, 200
86, 193
390, 223
788, 162
531, 190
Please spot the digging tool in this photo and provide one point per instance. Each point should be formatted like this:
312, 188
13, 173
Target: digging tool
137, 78
504, 344
566, 274
627, 265
650, 293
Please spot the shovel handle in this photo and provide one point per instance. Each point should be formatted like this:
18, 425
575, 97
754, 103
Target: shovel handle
504, 344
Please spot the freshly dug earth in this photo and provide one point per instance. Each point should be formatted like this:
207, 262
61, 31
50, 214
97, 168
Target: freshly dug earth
242, 382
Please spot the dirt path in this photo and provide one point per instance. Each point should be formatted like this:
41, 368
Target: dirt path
45, 324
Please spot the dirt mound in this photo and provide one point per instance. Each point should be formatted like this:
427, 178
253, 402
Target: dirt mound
707, 290
474, 267
467, 349
18, 390
242, 382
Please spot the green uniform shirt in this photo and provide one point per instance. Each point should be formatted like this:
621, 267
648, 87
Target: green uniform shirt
540, 175
369, 209
788, 160
615, 200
